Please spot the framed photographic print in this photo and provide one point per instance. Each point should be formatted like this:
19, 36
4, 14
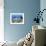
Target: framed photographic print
16, 18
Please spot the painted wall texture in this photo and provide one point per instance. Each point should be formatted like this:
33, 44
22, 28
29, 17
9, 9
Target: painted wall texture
43, 6
29, 8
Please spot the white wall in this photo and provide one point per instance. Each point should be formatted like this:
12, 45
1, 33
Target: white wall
1, 21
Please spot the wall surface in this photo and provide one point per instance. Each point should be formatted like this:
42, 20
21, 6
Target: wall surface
43, 6
1, 21
29, 8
